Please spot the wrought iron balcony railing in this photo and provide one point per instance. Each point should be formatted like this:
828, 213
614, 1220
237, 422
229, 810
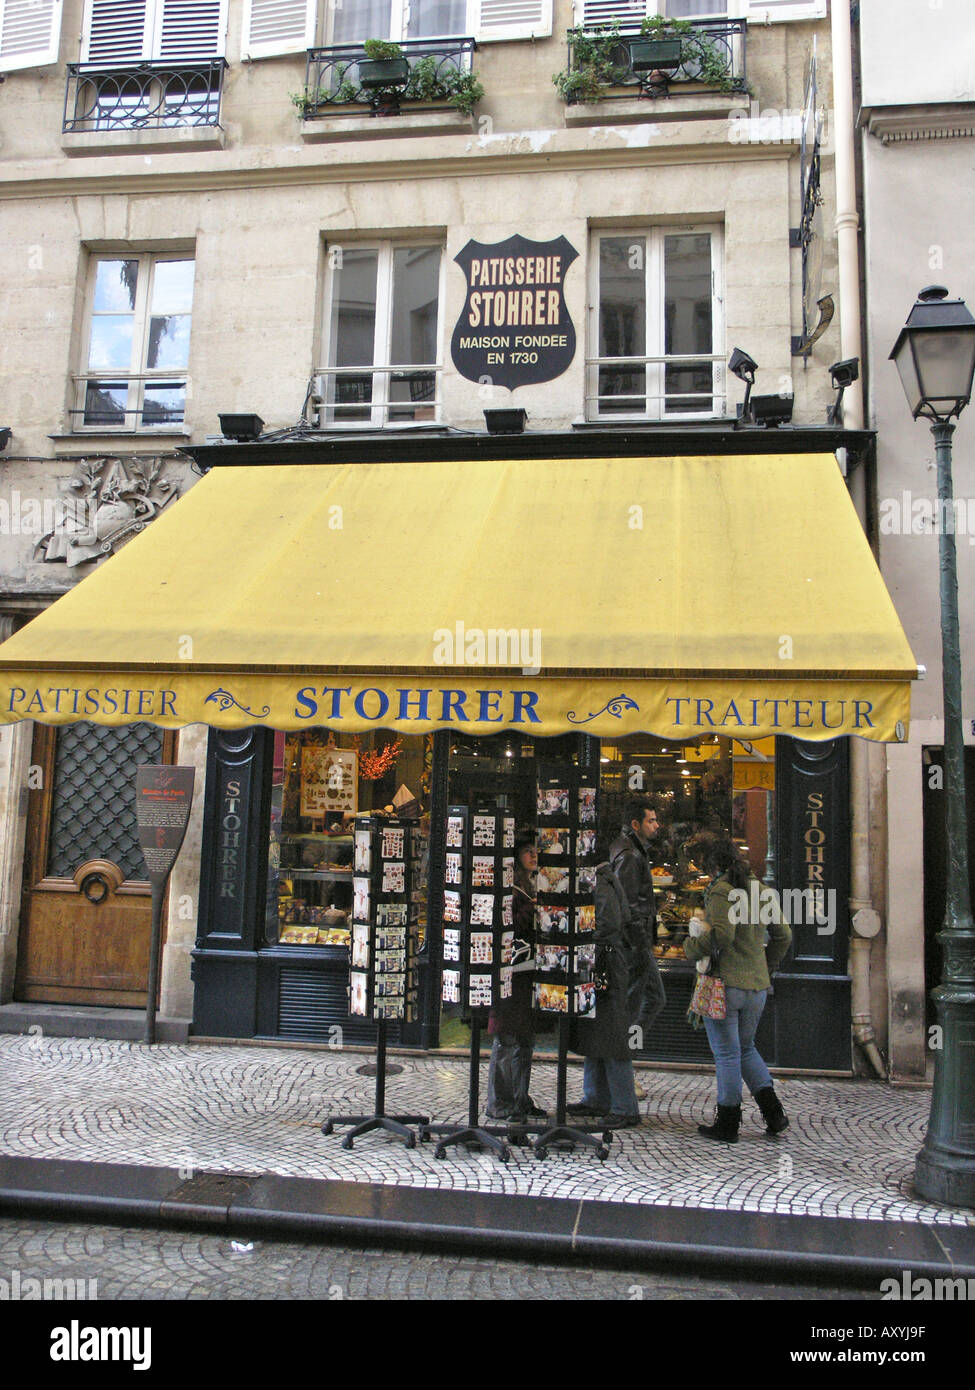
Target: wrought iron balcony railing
712, 57
143, 96
128, 400
440, 78
679, 385
379, 396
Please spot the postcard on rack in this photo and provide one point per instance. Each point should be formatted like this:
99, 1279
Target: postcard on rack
482, 909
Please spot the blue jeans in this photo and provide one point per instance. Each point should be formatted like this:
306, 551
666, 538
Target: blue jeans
607, 1087
732, 1042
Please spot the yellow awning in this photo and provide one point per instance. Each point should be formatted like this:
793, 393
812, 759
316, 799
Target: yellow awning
674, 596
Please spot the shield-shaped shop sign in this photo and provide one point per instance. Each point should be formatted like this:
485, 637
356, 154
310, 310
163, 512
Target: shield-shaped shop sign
515, 329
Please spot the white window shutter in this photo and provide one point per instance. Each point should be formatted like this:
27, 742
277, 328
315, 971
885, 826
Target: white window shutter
116, 31
188, 29
591, 14
512, 19
776, 11
278, 26
30, 32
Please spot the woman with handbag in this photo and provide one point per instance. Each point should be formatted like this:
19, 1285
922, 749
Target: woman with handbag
734, 938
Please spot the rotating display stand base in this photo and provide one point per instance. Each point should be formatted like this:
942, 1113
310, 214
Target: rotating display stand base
472, 1135
365, 1124
562, 1135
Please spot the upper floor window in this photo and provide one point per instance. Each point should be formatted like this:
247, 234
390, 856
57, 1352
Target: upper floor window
136, 342
383, 330
656, 329
287, 26
590, 13
147, 64
133, 31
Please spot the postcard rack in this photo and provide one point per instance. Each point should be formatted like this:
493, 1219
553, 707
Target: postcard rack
566, 932
478, 946
382, 947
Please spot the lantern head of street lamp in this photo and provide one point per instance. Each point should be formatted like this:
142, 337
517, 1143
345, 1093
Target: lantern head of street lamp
935, 355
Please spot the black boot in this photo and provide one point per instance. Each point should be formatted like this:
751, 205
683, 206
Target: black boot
776, 1120
725, 1126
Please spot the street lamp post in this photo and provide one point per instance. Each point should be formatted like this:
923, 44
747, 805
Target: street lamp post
935, 356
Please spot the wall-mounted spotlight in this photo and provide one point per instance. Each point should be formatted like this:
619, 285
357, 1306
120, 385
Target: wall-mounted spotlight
507, 420
241, 428
744, 368
772, 411
844, 374
4, 437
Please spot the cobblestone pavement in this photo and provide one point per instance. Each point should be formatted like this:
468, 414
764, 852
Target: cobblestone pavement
150, 1264
850, 1150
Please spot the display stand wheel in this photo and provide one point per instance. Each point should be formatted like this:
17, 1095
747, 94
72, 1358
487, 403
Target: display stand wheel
471, 1136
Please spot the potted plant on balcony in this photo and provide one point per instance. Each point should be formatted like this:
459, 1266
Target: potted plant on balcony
650, 55
702, 59
385, 67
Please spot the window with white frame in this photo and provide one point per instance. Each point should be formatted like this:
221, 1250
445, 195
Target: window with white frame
136, 342
132, 31
287, 26
382, 333
591, 13
148, 64
656, 328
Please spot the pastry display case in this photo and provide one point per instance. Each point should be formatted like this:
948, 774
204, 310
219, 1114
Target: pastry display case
315, 889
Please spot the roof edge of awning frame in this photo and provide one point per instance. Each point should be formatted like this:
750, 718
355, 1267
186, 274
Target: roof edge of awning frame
467, 673
729, 438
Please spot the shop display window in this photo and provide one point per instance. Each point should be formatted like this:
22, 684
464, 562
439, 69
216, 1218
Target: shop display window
709, 784
320, 783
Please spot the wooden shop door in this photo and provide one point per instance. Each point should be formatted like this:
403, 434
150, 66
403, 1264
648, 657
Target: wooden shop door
86, 911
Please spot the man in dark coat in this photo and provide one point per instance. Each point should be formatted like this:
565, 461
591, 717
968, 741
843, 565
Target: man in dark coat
630, 857
604, 1041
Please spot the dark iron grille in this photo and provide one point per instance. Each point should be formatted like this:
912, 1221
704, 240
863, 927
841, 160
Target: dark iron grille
93, 799
332, 74
310, 1002
671, 1038
143, 96
724, 39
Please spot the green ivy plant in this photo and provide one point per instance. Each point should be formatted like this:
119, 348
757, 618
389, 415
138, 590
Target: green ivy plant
429, 82
381, 50
602, 62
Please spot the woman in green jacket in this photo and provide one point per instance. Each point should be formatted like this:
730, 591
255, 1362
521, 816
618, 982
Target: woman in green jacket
737, 916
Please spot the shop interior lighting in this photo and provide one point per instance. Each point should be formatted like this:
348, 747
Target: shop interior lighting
744, 368
843, 374
771, 411
241, 428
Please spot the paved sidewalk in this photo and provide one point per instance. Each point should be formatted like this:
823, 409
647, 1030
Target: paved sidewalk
185, 1110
